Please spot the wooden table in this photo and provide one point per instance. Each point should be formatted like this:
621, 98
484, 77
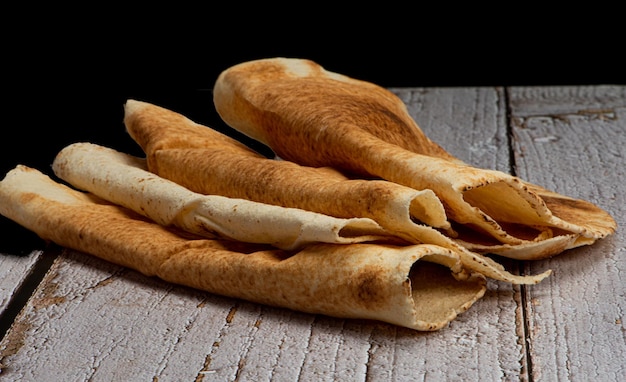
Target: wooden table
91, 320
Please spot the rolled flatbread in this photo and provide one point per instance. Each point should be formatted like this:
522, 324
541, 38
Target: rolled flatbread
124, 180
422, 287
208, 162
314, 117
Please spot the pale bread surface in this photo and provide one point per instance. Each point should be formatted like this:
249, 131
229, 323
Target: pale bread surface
124, 180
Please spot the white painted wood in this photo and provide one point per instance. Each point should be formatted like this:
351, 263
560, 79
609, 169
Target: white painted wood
14, 270
91, 320
573, 140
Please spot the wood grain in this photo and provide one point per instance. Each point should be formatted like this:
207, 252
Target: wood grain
573, 140
14, 272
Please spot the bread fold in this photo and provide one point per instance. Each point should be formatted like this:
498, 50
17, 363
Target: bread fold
208, 162
315, 117
124, 180
418, 286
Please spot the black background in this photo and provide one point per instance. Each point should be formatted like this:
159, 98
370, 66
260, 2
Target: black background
76, 93
67, 82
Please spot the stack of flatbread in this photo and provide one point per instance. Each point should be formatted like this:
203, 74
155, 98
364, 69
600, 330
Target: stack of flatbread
359, 216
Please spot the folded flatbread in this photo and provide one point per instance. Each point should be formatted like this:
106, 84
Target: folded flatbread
124, 180
413, 286
314, 117
208, 162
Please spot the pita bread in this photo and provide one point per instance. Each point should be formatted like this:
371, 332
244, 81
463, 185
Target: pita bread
124, 180
412, 286
208, 162
173, 143
314, 117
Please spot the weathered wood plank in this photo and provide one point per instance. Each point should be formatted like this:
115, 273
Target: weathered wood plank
94, 320
471, 124
90, 320
573, 140
14, 270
